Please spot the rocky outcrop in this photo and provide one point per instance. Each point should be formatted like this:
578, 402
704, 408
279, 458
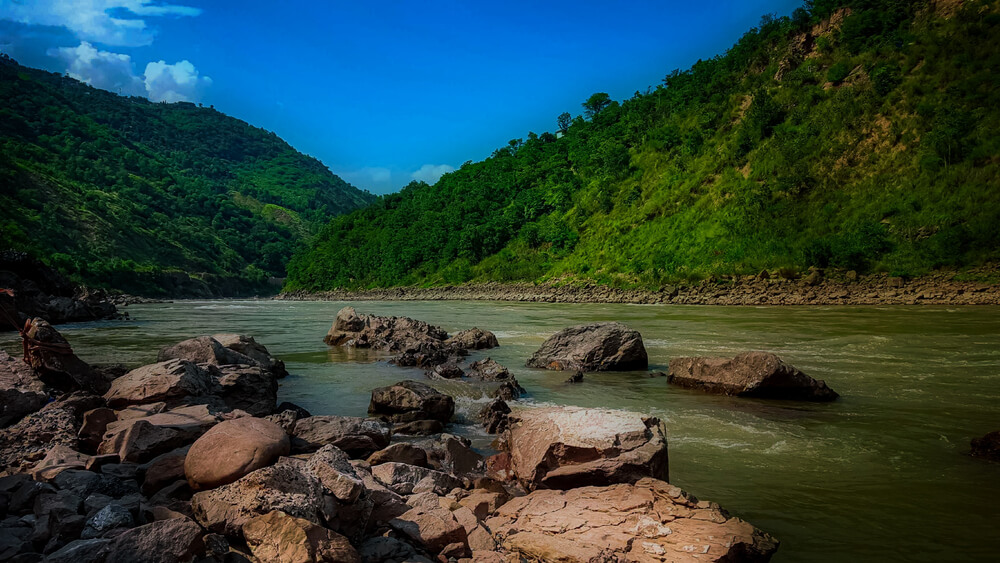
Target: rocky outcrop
473, 339
987, 447
232, 349
55, 363
387, 334
567, 447
232, 449
408, 401
359, 437
751, 374
276, 537
42, 292
606, 346
649, 521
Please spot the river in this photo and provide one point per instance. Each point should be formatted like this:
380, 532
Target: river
882, 474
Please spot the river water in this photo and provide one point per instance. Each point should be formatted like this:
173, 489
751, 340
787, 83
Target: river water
882, 474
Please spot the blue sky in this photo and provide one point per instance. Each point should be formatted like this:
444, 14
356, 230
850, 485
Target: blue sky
381, 92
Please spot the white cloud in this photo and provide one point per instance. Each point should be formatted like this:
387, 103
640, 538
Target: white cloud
431, 173
178, 82
111, 22
101, 69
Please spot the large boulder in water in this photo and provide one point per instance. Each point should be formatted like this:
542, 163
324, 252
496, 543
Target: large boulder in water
21, 393
567, 447
751, 374
649, 521
474, 339
203, 350
606, 346
387, 334
232, 449
407, 401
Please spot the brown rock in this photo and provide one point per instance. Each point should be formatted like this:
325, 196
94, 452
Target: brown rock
171, 380
203, 350
484, 503
33, 436
232, 449
279, 487
389, 334
141, 439
59, 458
418, 428
163, 470
334, 470
277, 537
567, 447
604, 346
249, 388
650, 521
494, 416
406, 479
95, 423
21, 393
254, 350
432, 529
400, 453
407, 401
57, 365
751, 374
357, 436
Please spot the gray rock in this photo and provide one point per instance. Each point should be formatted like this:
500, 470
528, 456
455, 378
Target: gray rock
607, 346
108, 518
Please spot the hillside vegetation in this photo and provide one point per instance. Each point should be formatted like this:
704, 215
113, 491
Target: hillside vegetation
860, 135
125, 193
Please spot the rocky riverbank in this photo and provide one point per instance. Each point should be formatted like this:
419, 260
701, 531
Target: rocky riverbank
193, 459
40, 291
766, 288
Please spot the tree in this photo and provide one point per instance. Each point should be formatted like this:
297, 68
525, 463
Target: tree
563, 121
596, 103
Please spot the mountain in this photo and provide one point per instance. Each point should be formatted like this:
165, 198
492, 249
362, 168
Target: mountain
152, 198
856, 135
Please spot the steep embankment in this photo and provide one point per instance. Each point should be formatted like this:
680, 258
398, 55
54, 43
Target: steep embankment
857, 135
152, 198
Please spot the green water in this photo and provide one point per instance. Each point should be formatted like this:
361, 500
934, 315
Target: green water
880, 475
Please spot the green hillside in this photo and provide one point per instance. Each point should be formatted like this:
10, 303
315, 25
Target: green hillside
125, 193
862, 135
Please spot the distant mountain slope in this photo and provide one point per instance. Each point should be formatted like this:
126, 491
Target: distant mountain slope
130, 194
861, 135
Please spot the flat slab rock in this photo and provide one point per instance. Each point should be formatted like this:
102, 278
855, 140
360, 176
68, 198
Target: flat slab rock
750, 374
650, 521
607, 346
566, 447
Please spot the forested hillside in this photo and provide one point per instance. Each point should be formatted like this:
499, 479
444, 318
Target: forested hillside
128, 194
860, 135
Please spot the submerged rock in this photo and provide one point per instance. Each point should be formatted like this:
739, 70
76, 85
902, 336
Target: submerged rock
607, 346
987, 447
567, 447
649, 521
751, 374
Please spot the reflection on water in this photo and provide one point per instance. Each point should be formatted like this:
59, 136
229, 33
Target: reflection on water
879, 475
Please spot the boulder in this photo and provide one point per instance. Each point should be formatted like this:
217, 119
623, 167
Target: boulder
418, 428
388, 334
987, 447
163, 470
282, 487
59, 458
141, 439
407, 401
334, 470
276, 537
489, 370
81, 551
650, 521
254, 350
203, 350
359, 437
567, 447
163, 541
400, 453
407, 479
56, 364
248, 388
751, 374
433, 529
473, 339
171, 381
447, 370
232, 449
27, 441
106, 519
494, 416
21, 393
95, 424
607, 346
